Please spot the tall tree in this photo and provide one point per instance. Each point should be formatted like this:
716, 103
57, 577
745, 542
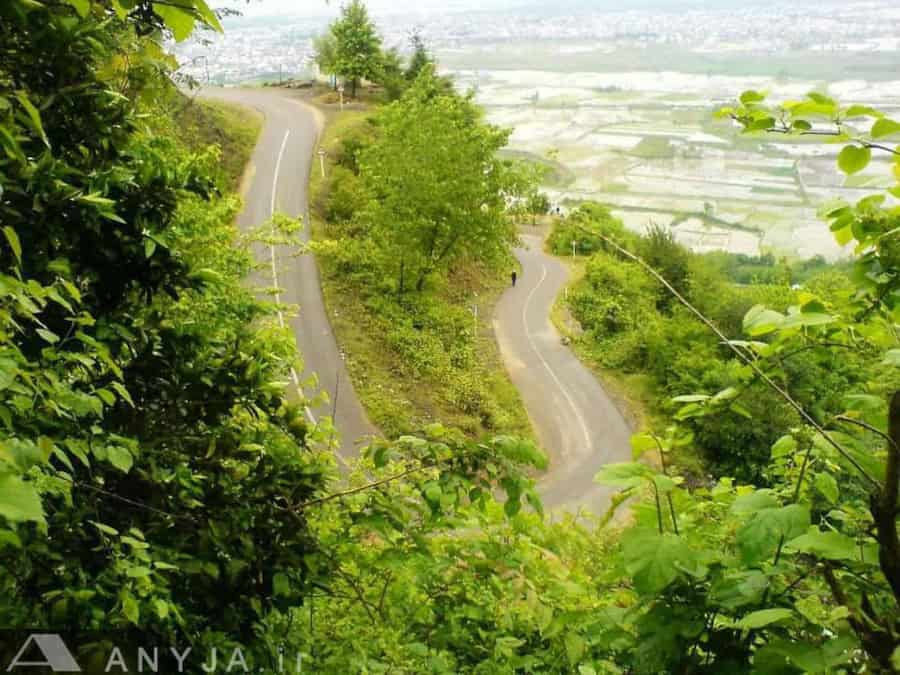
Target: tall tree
358, 45
420, 56
439, 190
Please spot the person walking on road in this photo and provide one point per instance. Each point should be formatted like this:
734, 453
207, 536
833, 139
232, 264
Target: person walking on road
514, 277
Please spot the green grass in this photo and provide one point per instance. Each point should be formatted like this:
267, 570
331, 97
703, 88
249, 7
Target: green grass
233, 128
398, 399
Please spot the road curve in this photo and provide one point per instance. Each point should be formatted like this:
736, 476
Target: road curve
277, 181
575, 419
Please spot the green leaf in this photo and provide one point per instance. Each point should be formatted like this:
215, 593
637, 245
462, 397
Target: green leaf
575, 646
827, 485
19, 501
755, 501
764, 617
122, 392
641, 443
861, 111
854, 159
120, 458
179, 21
749, 97
48, 336
784, 446
433, 492
14, 242
34, 116
828, 545
281, 585
161, 607
625, 474
885, 127
139, 572
654, 561
81, 6
130, 608
207, 15
758, 538
106, 529
759, 320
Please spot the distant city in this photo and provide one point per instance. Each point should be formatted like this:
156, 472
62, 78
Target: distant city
619, 104
265, 47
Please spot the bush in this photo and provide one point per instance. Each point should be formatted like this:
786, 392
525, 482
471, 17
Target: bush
582, 227
346, 196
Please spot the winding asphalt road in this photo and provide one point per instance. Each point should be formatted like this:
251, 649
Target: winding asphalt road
277, 180
574, 417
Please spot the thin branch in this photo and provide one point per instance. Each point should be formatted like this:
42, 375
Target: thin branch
756, 369
867, 427
362, 488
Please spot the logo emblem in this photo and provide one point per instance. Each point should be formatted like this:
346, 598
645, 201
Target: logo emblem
57, 656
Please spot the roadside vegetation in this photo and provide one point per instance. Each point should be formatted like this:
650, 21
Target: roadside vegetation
231, 128
159, 486
632, 327
413, 307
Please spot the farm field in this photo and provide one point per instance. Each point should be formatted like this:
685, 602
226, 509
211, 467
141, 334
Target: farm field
647, 144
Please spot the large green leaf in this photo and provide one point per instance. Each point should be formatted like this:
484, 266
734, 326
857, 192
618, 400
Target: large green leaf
19, 501
854, 159
179, 21
829, 545
885, 127
764, 617
758, 538
655, 561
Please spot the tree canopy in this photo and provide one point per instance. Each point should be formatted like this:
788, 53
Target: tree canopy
357, 45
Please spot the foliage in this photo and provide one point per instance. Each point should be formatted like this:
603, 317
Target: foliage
357, 48
634, 325
438, 193
156, 481
152, 469
420, 59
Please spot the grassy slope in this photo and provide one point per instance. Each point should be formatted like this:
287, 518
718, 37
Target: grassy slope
395, 403
233, 128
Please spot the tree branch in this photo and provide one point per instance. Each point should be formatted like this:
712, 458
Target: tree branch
743, 357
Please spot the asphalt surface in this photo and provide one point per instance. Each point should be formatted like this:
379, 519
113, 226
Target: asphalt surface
575, 419
277, 181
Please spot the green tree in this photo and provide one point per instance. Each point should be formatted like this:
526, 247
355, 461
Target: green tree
420, 58
438, 190
538, 204
357, 45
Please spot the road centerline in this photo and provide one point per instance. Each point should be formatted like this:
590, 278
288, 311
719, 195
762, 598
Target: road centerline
550, 371
296, 378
